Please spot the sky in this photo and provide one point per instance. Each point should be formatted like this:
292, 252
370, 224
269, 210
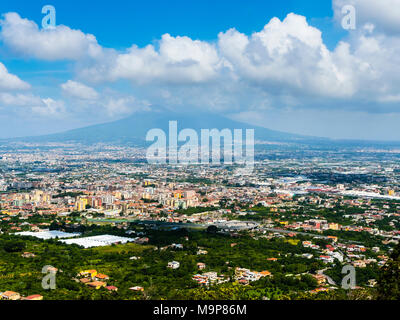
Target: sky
286, 65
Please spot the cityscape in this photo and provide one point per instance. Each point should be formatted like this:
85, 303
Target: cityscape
114, 227
199, 158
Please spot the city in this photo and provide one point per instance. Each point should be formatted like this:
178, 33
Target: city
199, 159
115, 227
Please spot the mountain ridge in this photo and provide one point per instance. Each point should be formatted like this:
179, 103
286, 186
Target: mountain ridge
133, 129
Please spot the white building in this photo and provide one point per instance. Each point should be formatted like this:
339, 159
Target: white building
173, 265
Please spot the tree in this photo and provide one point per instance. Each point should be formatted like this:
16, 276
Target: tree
212, 229
389, 279
13, 246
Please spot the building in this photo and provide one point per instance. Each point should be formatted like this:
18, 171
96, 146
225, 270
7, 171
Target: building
173, 265
111, 288
10, 295
333, 226
34, 297
137, 288
201, 266
101, 277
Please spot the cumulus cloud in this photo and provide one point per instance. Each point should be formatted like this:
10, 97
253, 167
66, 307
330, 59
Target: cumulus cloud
19, 100
24, 37
119, 106
384, 14
30, 104
178, 60
289, 59
79, 90
286, 62
286, 56
9, 81
284, 65
107, 104
49, 107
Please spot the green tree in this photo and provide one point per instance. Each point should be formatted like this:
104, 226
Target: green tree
389, 278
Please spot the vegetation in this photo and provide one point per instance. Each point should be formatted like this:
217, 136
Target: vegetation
389, 278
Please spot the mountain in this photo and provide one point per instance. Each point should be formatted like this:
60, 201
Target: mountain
133, 130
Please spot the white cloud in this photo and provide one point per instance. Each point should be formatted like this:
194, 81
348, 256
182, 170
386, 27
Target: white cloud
105, 105
384, 14
285, 65
120, 106
287, 56
79, 90
25, 37
9, 81
49, 107
286, 61
28, 104
18, 100
178, 60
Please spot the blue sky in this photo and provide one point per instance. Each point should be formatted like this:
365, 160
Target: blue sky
106, 60
120, 23
117, 23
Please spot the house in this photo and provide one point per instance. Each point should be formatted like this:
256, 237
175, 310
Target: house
359, 264
326, 259
200, 279
85, 280
137, 288
10, 295
101, 277
201, 266
307, 244
96, 284
111, 288
34, 297
246, 274
28, 255
86, 273
173, 265
211, 276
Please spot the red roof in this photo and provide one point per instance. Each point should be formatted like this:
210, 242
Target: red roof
111, 288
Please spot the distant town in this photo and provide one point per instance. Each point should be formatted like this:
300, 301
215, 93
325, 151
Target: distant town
111, 226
